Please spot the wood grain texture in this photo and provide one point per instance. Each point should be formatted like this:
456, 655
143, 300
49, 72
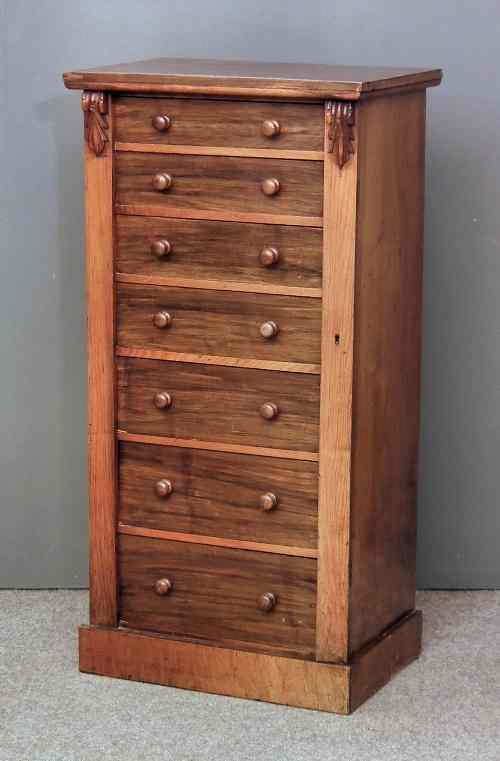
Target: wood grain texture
214, 184
221, 323
375, 665
219, 404
215, 541
216, 591
386, 362
225, 251
215, 446
101, 385
172, 212
253, 675
336, 407
220, 285
215, 359
218, 494
205, 122
199, 150
249, 79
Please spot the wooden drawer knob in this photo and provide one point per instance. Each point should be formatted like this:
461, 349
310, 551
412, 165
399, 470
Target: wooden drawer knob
163, 488
269, 329
269, 256
271, 128
267, 601
162, 400
268, 501
270, 186
162, 182
161, 122
163, 587
162, 320
161, 248
269, 410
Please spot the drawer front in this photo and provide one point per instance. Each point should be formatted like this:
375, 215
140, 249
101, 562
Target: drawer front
231, 496
221, 323
216, 592
220, 184
228, 251
219, 123
220, 404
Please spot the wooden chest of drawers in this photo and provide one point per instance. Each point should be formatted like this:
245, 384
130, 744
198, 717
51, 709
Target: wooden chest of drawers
254, 251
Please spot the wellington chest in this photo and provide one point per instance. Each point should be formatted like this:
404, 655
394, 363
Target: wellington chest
254, 264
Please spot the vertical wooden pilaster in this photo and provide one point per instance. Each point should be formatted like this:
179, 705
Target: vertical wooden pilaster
101, 336
339, 243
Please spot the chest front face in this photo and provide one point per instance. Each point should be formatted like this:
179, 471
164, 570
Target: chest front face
253, 267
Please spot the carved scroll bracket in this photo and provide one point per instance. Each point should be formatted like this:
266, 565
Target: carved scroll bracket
95, 108
340, 123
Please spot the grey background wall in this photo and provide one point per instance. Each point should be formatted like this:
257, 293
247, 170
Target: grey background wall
42, 312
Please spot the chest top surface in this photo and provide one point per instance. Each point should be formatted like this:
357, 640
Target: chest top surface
250, 78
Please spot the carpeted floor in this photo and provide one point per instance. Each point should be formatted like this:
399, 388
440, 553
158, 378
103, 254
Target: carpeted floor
445, 706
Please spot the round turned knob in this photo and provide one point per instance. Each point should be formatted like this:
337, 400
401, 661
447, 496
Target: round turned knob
162, 182
162, 400
267, 601
271, 128
162, 320
269, 410
163, 488
161, 248
269, 329
161, 123
163, 587
269, 256
270, 186
268, 501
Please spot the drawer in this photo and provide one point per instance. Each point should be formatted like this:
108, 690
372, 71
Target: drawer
231, 496
221, 123
220, 184
230, 251
221, 404
220, 323
215, 593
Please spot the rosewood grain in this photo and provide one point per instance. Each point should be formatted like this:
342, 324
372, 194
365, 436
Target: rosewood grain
214, 446
254, 278
386, 380
225, 251
101, 371
216, 541
251, 79
219, 494
223, 323
219, 123
212, 403
216, 592
218, 184
215, 359
339, 258
194, 665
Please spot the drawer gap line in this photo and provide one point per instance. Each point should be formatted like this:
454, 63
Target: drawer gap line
150, 210
219, 285
255, 364
212, 541
212, 446
202, 150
